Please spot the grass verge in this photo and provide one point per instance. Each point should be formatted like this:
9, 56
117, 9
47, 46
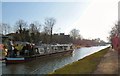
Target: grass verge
86, 65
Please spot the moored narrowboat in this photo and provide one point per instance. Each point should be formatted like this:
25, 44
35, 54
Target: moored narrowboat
49, 50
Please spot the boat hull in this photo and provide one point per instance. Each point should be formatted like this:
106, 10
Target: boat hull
15, 60
24, 59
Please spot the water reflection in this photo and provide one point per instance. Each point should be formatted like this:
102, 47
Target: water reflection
48, 64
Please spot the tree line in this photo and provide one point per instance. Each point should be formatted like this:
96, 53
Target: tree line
36, 32
43, 33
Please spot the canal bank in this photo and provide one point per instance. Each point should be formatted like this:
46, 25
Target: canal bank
86, 65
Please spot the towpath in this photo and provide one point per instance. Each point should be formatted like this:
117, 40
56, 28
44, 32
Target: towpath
109, 63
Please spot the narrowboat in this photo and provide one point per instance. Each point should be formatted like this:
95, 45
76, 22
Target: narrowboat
43, 50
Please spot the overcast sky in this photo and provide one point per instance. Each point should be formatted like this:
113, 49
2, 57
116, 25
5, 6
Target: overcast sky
94, 18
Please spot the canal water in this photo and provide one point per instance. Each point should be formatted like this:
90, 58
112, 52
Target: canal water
46, 65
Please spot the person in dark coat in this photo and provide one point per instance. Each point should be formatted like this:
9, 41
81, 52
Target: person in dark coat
10, 48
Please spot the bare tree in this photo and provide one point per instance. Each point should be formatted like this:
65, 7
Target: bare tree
20, 24
115, 29
74, 33
46, 30
33, 28
20, 27
5, 28
50, 22
8, 28
38, 25
1, 30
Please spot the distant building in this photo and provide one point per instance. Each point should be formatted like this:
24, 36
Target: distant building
61, 38
55, 34
61, 33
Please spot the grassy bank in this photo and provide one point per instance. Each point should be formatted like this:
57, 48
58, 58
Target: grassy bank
84, 66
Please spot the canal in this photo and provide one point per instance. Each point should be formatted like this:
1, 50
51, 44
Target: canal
46, 65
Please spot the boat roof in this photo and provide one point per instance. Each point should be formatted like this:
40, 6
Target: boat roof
62, 45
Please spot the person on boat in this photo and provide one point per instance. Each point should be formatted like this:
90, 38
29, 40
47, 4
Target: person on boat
27, 49
22, 52
10, 48
33, 49
18, 48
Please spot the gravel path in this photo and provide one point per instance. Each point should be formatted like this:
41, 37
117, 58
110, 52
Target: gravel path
109, 63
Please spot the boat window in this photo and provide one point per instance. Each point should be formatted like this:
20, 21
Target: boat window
65, 47
70, 47
60, 48
55, 48
52, 48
